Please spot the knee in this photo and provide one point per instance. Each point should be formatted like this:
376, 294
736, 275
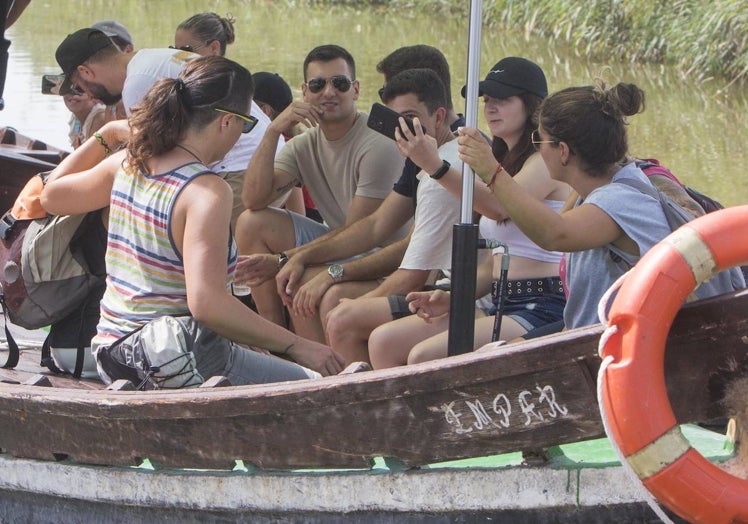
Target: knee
257, 230
248, 224
380, 345
342, 322
329, 302
335, 322
421, 352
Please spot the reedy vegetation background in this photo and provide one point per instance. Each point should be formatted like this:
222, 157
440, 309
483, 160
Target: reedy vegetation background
705, 40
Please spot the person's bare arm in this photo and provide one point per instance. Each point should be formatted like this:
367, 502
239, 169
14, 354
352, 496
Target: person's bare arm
356, 238
295, 202
200, 228
14, 13
73, 193
113, 134
581, 228
401, 282
263, 184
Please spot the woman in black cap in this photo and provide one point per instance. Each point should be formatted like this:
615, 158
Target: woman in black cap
512, 93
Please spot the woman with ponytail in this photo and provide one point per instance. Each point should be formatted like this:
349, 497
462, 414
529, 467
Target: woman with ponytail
169, 251
582, 139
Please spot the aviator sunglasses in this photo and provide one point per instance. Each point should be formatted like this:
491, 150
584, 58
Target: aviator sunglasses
249, 121
340, 82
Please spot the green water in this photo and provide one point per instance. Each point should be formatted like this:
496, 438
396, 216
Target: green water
695, 129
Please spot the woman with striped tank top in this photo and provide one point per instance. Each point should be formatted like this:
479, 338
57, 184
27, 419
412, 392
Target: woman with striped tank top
170, 252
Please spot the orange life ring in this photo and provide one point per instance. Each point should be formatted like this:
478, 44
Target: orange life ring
634, 394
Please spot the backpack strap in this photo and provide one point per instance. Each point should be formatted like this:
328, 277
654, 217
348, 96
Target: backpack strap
13, 351
47, 361
643, 187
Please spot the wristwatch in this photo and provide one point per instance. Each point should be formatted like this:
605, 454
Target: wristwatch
282, 259
336, 272
436, 175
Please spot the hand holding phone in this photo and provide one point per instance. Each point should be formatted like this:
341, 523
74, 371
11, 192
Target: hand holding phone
384, 120
51, 84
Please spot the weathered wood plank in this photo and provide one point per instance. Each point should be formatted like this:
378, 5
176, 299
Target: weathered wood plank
528, 396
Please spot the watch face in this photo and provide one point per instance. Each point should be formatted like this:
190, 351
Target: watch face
335, 271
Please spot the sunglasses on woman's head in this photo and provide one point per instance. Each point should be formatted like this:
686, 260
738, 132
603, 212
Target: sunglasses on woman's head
249, 121
340, 82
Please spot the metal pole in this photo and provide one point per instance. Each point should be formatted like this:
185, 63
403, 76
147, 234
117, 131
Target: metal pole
465, 234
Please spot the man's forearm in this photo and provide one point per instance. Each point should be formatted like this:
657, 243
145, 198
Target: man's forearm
401, 282
376, 265
257, 191
354, 239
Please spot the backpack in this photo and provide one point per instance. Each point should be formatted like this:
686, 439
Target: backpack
676, 215
46, 271
652, 166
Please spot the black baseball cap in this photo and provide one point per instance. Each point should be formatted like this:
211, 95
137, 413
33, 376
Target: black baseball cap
512, 76
271, 89
76, 49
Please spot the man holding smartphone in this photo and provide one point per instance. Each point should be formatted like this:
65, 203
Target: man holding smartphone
306, 262
418, 94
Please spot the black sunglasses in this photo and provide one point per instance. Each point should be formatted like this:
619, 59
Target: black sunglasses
340, 82
75, 90
189, 48
249, 121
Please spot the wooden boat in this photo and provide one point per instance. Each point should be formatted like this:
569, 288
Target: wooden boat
22, 157
528, 396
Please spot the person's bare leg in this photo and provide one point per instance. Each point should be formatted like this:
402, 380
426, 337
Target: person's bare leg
338, 292
437, 346
313, 327
391, 343
269, 230
350, 324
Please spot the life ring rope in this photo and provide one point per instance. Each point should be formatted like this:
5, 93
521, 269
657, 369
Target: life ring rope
628, 468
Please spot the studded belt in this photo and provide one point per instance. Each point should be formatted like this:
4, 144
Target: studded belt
534, 286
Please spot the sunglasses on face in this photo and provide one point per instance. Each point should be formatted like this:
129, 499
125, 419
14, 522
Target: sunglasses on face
536, 140
340, 82
75, 90
249, 121
188, 48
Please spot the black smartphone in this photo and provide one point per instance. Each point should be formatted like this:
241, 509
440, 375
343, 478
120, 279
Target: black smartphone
51, 84
384, 120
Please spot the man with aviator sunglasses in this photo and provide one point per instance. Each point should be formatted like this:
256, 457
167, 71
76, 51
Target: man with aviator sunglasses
347, 168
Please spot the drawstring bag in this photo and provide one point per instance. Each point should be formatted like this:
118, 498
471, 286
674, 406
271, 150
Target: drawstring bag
161, 354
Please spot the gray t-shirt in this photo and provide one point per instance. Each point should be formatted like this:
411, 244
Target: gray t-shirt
361, 163
590, 273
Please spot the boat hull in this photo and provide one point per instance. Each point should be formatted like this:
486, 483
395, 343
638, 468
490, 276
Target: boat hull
527, 396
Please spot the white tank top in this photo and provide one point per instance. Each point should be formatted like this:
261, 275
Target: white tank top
519, 245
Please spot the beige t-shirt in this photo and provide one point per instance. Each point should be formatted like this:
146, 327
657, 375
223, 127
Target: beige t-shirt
362, 163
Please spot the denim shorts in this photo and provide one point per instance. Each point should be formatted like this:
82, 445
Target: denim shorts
534, 310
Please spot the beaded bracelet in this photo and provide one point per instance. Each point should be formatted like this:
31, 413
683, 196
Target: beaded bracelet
490, 184
103, 143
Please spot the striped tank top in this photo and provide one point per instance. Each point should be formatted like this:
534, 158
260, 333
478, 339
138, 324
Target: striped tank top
145, 272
